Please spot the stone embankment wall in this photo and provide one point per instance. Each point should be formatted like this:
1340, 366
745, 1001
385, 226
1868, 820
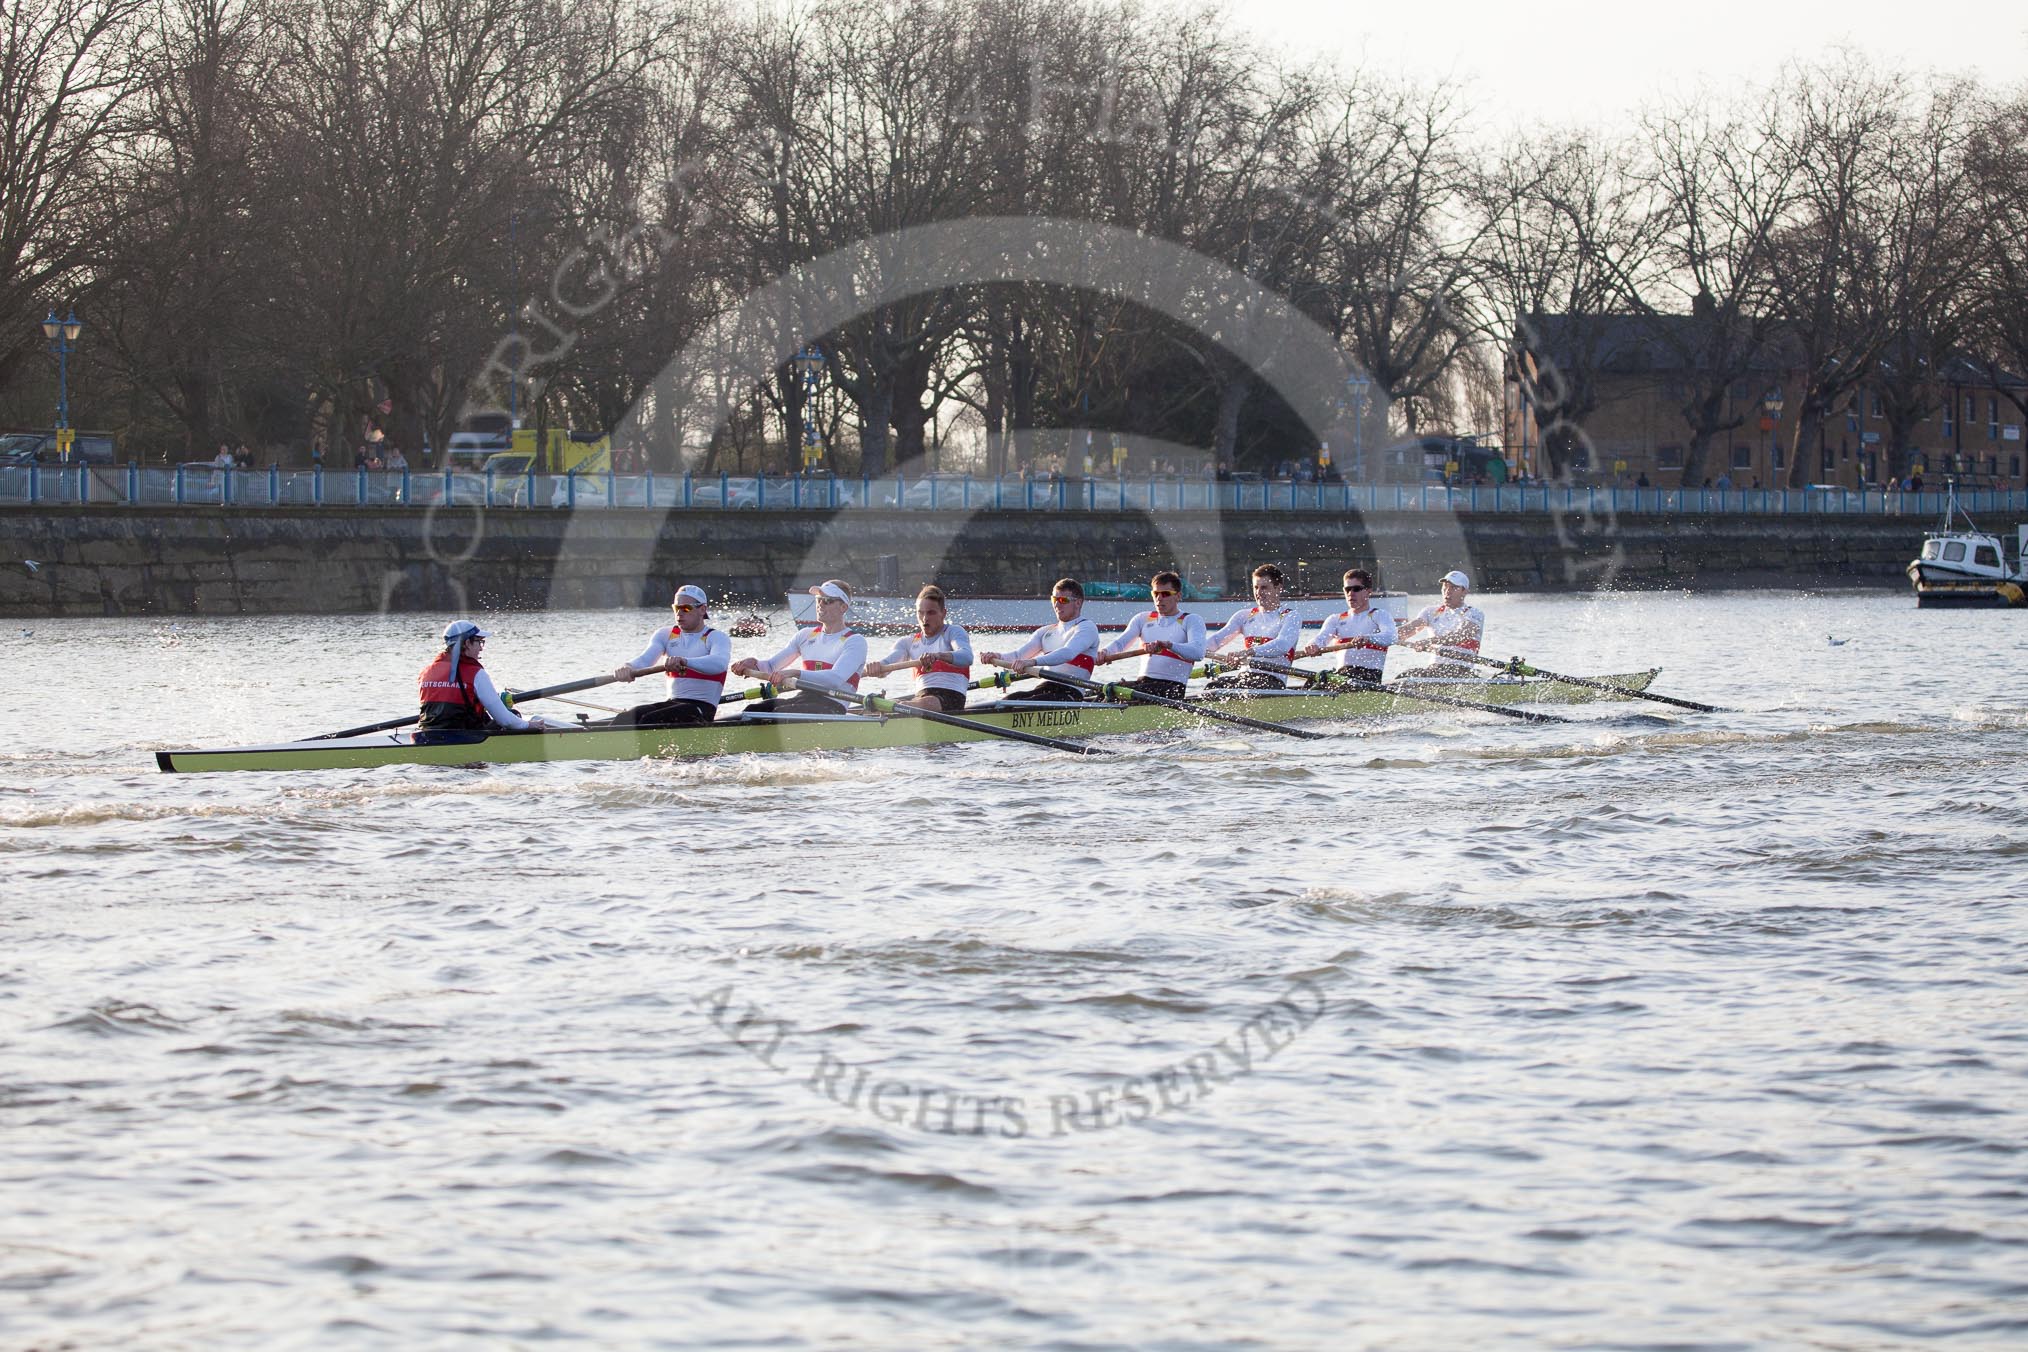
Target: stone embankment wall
99, 560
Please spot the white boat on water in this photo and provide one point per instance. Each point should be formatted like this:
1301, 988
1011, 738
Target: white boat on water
1965, 566
1021, 614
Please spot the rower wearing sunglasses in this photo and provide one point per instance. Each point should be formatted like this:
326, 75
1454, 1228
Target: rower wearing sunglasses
1268, 629
696, 657
1362, 624
1072, 643
1172, 640
831, 650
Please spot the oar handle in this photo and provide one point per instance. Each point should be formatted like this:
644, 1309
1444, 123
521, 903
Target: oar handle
769, 690
513, 697
1008, 671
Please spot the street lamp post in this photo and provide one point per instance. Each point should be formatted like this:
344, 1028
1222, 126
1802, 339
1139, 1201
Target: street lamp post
811, 362
1358, 385
1771, 404
62, 335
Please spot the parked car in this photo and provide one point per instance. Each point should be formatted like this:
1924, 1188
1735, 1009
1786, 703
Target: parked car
466, 490
816, 490
944, 490
736, 493
39, 447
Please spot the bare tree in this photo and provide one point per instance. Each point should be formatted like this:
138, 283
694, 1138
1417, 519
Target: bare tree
69, 72
1720, 187
1564, 222
1842, 127
414, 155
1917, 267
1997, 173
645, 268
856, 131
182, 274
1392, 174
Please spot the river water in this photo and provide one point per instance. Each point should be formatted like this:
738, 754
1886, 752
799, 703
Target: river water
1659, 1030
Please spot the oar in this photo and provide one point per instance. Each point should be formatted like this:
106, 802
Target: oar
881, 705
757, 692
999, 678
370, 727
584, 704
1005, 679
511, 698
1515, 666
1331, 678
514, 697
1127, 692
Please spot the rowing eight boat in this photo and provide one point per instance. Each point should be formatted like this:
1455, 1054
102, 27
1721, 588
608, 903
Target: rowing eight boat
749, 734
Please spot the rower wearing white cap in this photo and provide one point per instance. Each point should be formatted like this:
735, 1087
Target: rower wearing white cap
1450, 624
1366, 627
1172, 640
1071, 643
696, 657
1267, 629
940, 654
456, 693
831, 651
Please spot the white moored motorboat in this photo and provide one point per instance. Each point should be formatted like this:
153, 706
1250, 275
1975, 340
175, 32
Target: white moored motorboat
1968, 567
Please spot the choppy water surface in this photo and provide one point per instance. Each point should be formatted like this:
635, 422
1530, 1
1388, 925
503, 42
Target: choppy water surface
1662, 1029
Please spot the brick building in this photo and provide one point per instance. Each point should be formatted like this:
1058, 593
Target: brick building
1637, 429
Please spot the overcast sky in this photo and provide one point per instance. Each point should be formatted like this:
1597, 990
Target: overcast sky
1597, 63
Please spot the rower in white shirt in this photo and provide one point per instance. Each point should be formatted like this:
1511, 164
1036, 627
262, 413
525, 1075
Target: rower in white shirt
1268, 629
1362, 624
696, 657
1071, 643
940, 654
830, 650
1172, 640
1451, 624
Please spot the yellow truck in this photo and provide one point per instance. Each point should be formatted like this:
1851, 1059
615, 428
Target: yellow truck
564, 453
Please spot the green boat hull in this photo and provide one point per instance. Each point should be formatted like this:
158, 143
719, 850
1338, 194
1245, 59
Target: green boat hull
733, 736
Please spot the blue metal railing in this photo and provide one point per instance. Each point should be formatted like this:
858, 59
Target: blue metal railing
208, 485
